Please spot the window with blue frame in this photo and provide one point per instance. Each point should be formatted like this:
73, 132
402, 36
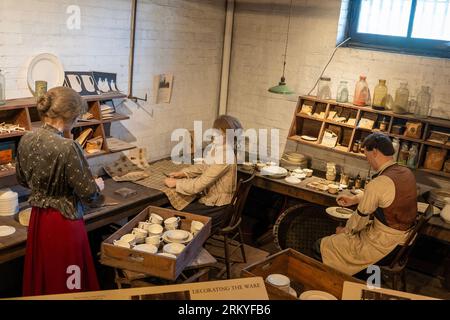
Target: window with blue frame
408, 26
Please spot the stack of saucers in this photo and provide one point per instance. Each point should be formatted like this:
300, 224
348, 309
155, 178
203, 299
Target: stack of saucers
9, 202
107, 111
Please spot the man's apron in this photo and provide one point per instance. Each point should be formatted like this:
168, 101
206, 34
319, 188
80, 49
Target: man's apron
351, 253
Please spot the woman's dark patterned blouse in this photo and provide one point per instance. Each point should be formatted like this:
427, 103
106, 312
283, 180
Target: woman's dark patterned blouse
56, 171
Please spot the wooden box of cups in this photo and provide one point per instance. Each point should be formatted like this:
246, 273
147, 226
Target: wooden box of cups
154, 243
290, 273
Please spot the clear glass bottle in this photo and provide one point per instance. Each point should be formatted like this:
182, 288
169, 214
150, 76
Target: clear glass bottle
342, 92
423, 102
396, 144
380, 95
362, 92
401, 99
412, 156
324, 88
2, 89
403, 154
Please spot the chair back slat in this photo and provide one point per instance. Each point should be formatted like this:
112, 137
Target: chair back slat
235, 208
401, 257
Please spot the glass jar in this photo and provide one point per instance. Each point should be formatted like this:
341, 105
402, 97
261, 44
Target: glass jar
403, 154
342, 92
324, 88
396, 145
384, 124
401, 99
412, 156
423, 102
362, 92
2, 89
380, 95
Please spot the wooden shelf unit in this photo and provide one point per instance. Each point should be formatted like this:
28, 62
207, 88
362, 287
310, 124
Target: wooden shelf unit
23, 112
305, 124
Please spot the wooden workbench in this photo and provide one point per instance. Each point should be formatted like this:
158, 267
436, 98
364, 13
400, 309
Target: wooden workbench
13, 246
436, 227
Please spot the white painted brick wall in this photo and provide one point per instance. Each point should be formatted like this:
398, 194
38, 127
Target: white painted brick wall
257, 57
183, 37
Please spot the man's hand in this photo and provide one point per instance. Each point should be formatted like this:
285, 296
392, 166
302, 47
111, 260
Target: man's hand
170, 182
177, 175
340, 230
347, 201
100, 183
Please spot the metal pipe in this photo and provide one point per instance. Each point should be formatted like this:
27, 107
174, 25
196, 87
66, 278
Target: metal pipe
226, 57
132, 43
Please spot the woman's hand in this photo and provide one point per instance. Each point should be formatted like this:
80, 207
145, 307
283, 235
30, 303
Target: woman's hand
170, 182
177, 175
347, 201
100, 183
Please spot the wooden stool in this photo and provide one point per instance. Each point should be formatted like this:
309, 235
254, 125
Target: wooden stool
202, 264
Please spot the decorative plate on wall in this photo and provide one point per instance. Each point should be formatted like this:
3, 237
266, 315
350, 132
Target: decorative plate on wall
45, 67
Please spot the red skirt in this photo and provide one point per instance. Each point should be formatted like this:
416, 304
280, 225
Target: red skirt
58, 257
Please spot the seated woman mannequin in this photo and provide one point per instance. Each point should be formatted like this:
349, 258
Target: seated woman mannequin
214, 181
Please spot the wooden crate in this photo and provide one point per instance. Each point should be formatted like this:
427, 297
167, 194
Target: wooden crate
304, 272
152, 264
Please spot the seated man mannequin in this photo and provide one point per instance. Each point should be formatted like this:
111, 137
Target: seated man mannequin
390, 198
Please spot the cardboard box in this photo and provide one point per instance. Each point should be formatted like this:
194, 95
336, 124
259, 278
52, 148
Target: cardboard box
234, 289
153, 264
304, 272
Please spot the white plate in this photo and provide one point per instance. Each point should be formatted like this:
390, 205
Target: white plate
167, 240
177, 235
308, 138
332, 212
316, 295
45, 67
292, 180
422, 207
274, 171
146, 247
6, 231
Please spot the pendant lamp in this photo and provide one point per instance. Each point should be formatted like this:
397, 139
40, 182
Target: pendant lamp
282, 87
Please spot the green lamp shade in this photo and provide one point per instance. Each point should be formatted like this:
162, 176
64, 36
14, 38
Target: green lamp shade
281, 88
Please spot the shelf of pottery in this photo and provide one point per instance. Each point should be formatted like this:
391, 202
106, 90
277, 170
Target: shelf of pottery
18, 116
420, 143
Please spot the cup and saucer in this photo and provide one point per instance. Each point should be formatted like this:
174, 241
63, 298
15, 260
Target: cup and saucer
177, 236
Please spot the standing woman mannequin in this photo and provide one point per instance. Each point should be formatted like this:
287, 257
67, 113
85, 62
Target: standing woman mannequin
58, 257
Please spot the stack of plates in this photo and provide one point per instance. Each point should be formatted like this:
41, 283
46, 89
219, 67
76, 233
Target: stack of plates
9, 202
292, 160
177, 236
107, 112
437, 197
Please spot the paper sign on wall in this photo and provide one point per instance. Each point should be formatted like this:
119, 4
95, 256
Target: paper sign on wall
162, 88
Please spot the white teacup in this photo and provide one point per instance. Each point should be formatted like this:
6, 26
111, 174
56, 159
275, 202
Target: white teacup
171, 223
174, 248
122, 243
140, 234
155, 218
280, 281
196, 226
130, 238
155, 230
308, 172
155, 240
144, 225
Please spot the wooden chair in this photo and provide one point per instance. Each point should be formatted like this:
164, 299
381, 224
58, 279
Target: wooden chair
230, 234
395, 268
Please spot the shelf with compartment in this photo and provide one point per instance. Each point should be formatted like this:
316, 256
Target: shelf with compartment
24, 112
405, 127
